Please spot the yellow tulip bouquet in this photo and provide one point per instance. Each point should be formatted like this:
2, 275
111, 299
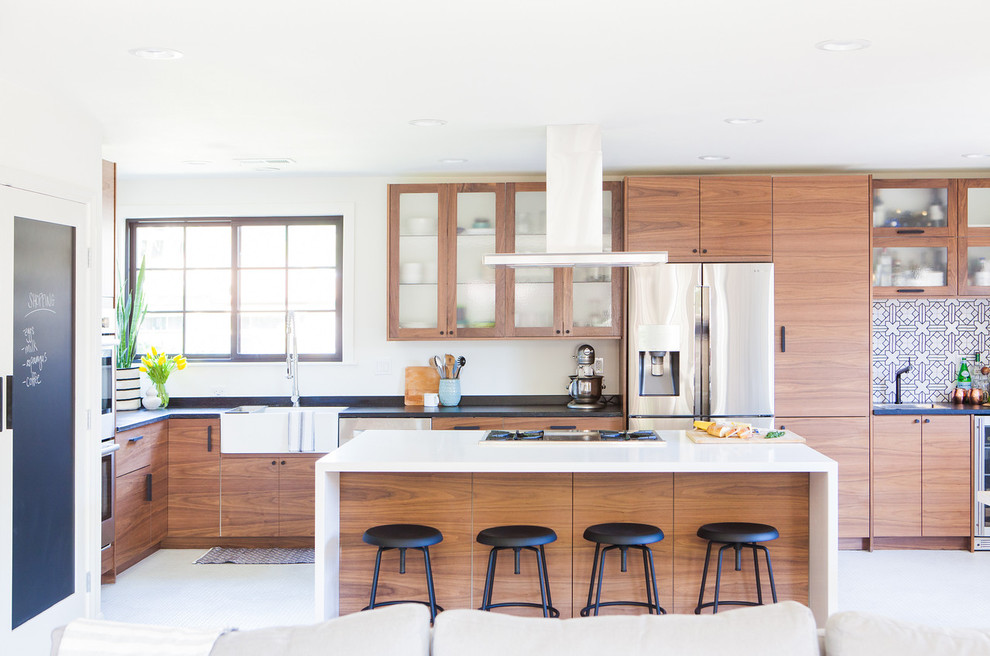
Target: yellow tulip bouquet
158, 366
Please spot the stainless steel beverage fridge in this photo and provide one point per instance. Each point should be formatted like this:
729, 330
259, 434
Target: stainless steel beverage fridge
981, 482
700, 344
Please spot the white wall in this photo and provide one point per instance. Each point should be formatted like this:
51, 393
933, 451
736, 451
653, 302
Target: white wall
53, 149
493, 366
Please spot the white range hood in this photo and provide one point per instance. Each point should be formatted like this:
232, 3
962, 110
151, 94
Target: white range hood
574, 207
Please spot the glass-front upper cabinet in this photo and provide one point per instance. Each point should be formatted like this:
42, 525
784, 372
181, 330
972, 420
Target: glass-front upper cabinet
417, 239
974, 207
924, 266
921, 208
561, 302
478, 305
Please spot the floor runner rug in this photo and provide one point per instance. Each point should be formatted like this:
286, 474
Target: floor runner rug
245, 556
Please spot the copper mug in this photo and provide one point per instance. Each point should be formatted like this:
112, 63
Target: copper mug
959, 395
976, 396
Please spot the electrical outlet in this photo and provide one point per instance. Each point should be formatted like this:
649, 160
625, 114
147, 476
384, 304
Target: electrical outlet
600, 366
383, 367
218, 391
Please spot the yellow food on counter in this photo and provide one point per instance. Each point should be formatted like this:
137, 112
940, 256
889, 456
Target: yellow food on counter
703, 425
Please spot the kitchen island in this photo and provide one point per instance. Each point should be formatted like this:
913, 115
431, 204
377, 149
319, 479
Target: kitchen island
456, 483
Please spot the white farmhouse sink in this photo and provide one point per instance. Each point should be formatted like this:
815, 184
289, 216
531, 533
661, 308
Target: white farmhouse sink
256, 429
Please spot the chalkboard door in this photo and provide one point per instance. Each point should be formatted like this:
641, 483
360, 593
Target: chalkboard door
43, 442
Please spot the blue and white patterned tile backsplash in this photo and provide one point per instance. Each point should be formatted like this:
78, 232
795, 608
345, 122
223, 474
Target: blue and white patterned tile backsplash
935, 333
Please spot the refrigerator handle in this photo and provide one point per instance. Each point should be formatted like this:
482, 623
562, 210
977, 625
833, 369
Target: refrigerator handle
979, 484
783, 340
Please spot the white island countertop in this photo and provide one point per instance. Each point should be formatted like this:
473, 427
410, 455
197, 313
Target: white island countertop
463, 451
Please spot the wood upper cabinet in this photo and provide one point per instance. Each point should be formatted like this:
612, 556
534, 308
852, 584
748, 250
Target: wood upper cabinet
847, 441
439, 287
921, 476
141, 491
270, 495
194, 478
707, 219
821, 296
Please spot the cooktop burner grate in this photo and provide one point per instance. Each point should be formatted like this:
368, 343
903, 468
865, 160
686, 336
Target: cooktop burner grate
557, 436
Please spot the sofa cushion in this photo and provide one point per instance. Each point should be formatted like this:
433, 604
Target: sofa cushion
401, 630
784, 629
865, 634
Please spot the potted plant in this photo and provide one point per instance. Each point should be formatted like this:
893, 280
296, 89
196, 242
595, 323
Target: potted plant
158, 366
131, 308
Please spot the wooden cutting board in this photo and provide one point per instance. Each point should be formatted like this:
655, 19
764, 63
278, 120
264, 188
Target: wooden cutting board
701, 437
420, 381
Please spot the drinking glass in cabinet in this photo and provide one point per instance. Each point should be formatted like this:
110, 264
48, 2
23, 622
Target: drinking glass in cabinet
910, 266
917, 207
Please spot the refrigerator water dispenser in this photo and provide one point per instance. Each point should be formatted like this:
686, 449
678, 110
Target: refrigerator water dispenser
659, 360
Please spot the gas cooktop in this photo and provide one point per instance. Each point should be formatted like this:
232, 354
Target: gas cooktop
565, 436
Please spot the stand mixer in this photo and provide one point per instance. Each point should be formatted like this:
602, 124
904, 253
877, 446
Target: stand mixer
586, 386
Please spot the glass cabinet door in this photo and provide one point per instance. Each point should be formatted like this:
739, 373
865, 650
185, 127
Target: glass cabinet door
479, 209
974, 207
919, 267
532, 290
974, 266
597, 291
914, 207
416, 241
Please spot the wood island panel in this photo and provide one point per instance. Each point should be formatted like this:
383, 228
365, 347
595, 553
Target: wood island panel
440, 500
778, 499
638, 498
535, 499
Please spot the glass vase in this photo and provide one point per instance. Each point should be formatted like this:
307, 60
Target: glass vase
162, 393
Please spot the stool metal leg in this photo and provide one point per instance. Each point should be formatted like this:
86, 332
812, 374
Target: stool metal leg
486, 597
718, 577
429, 583
594, 569
546, 578
543, 581
704, 579
374, 578
756, 568
773, 588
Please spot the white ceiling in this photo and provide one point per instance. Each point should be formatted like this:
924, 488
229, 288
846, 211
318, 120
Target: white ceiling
333, 84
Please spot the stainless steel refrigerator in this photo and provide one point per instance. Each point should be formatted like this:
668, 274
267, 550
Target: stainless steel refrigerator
700, 344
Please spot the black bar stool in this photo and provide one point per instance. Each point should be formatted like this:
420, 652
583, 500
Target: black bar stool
623, 536
402, 537
517, 538
736, 535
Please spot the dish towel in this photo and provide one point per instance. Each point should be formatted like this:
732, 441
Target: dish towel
307, 440
83, 637
295, 431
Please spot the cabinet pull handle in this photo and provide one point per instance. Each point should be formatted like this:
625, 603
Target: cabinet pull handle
467, 427
704, 250
283, 462
913, 290
558, 332
783, 340
910, 231
783, 427
209, 438
694, 250
450, 332
147, 487
10, 402
928, 421
1, 405
917, 421
273, 462
563, 428
135, 438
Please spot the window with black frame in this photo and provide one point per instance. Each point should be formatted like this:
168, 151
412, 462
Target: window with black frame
222, 288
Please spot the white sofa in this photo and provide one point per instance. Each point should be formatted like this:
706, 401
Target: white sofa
784, 629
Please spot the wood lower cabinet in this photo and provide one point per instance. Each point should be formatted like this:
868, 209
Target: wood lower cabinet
921, 476
847, 441
194, 478
268, 495
466, 423
141, 494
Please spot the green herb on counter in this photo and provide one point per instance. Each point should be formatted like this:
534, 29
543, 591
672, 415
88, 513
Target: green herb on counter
774, 434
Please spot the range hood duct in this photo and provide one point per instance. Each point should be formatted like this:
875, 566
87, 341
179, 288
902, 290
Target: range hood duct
574, 207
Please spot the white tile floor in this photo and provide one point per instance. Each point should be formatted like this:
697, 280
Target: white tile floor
945, 588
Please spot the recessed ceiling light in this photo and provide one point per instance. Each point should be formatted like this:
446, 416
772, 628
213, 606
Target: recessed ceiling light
743, 121
712, 158
197, 162
977, 156
155, 53
266, 161
427, 122
453, 160
842, 45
